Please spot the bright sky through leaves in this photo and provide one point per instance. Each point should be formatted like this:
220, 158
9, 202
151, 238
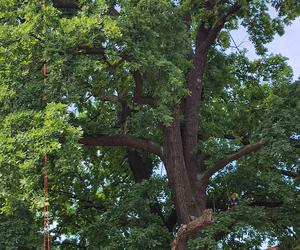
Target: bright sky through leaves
286, 45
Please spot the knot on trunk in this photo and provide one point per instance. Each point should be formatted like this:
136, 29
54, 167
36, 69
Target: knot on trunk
191, 230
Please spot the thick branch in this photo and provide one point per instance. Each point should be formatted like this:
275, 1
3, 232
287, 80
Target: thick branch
246, 150
221, 22
141, 165
204, 38
123, 141
171, 220
191, 230
92, 50
109, 98
66, 4
138, 97
291, 174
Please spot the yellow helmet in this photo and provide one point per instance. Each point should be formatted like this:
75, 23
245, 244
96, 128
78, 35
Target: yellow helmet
234, 195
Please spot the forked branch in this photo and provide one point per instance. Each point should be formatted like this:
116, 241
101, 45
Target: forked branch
214, 32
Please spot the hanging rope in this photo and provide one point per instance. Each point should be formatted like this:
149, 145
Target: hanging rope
46, 203
44, 72
44, 94
46, 210
46, 194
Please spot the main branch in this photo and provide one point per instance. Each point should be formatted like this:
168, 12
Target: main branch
123, 141
221, 21
246, 150
66, 4
91, 50
204, 39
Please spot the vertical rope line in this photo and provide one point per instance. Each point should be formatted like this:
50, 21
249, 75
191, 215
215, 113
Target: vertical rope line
46, 235
46, 202
46, 210
44, 30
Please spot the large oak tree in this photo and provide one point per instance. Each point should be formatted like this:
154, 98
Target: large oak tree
148, 82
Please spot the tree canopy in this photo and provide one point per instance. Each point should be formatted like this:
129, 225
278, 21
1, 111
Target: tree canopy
148, 120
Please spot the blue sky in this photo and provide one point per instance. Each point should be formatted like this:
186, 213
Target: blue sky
287, 45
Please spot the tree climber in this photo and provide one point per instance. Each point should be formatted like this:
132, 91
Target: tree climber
233, 201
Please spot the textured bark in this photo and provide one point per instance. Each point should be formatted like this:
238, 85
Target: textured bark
204, 39
140, 166
66, 4
191, 230
183, 196
123, 141
92, 50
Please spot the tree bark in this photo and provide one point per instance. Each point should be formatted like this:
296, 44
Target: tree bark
191, 230
183, 196
140, 166
122, 141
66, 4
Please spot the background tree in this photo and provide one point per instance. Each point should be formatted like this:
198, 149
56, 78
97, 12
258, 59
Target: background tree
132, 85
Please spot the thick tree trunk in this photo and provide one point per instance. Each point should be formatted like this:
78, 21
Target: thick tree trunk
188, 191
186, 203
177, 174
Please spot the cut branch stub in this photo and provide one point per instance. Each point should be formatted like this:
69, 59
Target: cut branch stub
191, 230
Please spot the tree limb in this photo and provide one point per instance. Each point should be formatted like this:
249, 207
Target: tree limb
291, 174
192, 229
204, 38
123, 141
92, 50
221, 22
138, 97
109, 98
171, 220
250, 148
66, 4
141, 165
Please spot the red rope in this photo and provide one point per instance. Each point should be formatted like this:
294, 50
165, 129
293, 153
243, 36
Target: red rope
46, 205
44, 71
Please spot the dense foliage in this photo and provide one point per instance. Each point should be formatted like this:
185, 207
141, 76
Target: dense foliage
120, 68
